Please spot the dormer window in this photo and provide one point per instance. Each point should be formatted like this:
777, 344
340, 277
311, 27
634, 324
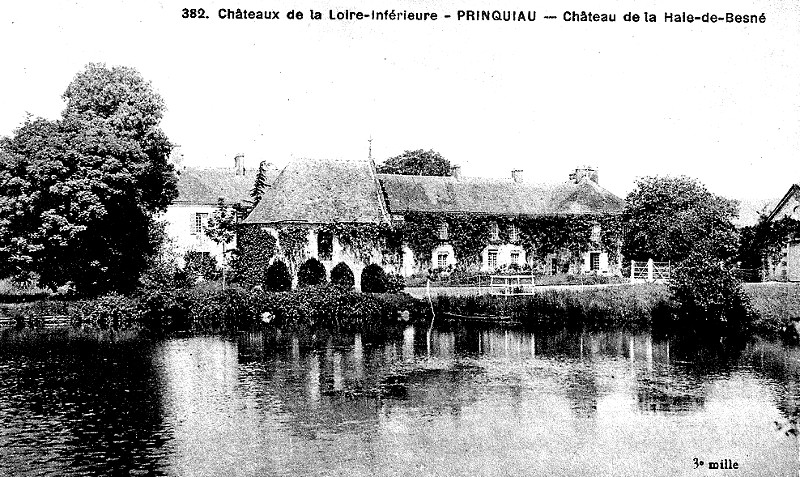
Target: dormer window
513, 233
494, 231
444, 231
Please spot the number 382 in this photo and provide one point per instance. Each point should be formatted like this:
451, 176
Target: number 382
194, 13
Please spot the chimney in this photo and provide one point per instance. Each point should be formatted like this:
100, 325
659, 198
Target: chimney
455, 171
239, 161
585, 171
516, 174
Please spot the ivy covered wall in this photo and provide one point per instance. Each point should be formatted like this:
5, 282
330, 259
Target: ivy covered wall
256, 246
566, 238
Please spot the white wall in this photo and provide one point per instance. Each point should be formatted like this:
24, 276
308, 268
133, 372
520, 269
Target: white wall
445, 248
179, 220
503, 256
586, 262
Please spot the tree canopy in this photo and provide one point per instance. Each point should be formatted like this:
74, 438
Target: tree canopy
416, 163
78, 194
259, 184
670, 217
678, 219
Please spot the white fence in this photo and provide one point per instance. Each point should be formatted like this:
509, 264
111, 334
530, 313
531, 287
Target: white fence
650, 272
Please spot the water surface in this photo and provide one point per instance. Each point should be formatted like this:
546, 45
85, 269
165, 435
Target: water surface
471, 401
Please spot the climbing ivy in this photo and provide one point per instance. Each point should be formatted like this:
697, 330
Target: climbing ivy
566, 235
761, 244
256, 248
540, 236
293, 239
359, 239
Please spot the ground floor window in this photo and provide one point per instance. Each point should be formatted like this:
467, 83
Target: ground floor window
594, 261
553, 266
325, 245
491, 259
441, 260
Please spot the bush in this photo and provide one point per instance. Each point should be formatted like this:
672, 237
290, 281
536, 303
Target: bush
311, 273
394, 283
278, 277
342, 276
323, 308
112, 311
373, 279
201, 265
162, 301
221, 310
706, 290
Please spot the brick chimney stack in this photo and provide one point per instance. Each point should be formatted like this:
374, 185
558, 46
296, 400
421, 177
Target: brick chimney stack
516, 174
239, 164
585, 171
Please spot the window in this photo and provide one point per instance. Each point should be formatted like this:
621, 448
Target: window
553, 266
325, 245
514, 258
513, 233
494, 231
441, 260
594, 261
491, 259
199, 222
444, 232
595, 233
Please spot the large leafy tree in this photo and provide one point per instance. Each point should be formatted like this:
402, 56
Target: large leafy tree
416, 163
678, 219
78, 194
670, 217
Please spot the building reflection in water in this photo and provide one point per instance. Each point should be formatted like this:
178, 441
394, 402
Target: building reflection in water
466, 389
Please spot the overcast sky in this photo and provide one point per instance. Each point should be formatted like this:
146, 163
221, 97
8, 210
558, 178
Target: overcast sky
719, 102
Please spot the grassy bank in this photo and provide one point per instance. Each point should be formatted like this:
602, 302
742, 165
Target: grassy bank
774, 303
210, 309
626, 304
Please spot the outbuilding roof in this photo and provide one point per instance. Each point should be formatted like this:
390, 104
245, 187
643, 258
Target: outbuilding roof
323, 191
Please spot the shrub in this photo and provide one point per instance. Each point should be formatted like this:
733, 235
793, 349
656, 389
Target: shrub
112, 311
221, 310
342, 276
278, 277
394, 283
706, 290
162, 301
201, 265
373, 279
311, 273
323, 308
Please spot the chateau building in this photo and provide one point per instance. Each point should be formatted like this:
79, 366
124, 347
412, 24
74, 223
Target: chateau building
199, 191
346, 212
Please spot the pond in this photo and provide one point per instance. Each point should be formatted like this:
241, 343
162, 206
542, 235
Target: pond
469, 401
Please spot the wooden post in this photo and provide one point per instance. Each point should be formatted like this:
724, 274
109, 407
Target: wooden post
633, 271
650, 270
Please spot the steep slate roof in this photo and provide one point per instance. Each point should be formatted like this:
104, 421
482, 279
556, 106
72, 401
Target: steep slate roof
322, 191
206, 186
496, 196
792, 193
